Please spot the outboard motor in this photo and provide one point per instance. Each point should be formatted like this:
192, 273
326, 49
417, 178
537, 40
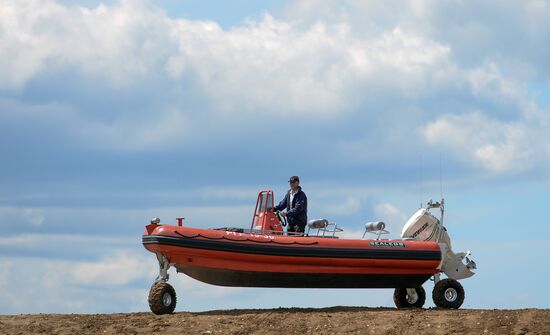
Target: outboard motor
424, 226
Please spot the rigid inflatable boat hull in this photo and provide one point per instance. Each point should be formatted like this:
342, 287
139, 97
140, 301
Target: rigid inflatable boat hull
252, 260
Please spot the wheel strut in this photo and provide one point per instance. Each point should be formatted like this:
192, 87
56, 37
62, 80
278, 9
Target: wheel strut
162, 296
164, 265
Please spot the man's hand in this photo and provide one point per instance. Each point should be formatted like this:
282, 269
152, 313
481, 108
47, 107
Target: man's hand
283, 213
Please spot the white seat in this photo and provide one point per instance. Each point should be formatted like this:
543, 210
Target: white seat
317, 223
375, 226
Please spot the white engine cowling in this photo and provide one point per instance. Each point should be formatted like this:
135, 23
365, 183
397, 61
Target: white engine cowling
423, 226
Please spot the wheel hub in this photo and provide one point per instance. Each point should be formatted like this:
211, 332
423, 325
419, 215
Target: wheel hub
450, 294
412, 297
166, 299
411, 300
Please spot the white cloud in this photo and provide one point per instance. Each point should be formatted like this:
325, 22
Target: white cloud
391, 216
266, 65
236, 192
48, 286
168, 129
349, 205
61, 220
389, 211
266, 68
120, 268
384, 69
33, 217
115, 280
5, 265
283, 69
119, 42
498, 146
489, 81
495, 53
352, 234
510, 32
320, 70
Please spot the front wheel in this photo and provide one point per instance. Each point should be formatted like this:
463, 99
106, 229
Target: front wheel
448, 293
403, 299
162, 298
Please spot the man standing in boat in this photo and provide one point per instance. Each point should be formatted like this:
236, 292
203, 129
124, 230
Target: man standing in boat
295, 203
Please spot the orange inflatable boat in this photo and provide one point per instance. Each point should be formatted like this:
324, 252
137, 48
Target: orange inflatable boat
264, 256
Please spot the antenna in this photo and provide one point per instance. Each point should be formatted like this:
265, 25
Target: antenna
440, 177
421, 176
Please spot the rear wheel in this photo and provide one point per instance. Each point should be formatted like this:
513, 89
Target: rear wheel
448, 293
162, 298
403, 299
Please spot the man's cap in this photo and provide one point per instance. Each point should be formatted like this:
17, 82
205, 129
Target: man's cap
294, 178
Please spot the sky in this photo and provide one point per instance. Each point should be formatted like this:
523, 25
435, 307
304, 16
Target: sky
113, 112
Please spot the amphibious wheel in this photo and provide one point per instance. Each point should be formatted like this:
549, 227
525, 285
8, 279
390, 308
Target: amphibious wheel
448, 293
162, 298
403, 299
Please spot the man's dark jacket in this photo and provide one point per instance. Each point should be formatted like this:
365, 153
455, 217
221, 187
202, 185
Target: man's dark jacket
297, 213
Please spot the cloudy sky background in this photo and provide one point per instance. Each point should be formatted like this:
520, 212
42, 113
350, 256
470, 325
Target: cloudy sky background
117, 111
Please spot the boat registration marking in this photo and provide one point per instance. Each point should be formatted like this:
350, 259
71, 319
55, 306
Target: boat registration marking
232, 233
387, 244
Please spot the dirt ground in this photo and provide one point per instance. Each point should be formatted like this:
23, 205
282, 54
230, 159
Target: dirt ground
334, 320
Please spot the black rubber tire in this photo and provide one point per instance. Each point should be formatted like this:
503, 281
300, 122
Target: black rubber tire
400, 298
439, 298
157, 304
